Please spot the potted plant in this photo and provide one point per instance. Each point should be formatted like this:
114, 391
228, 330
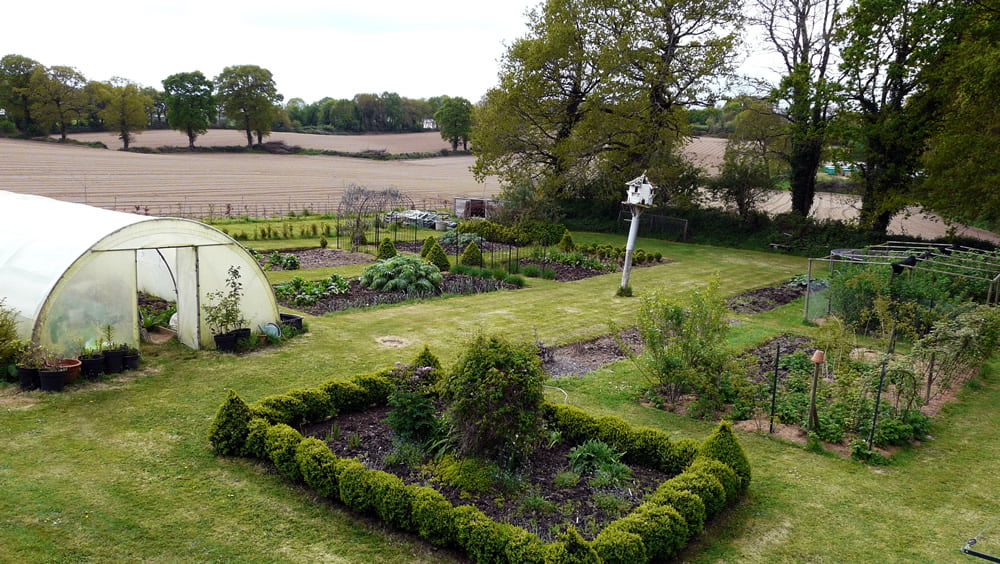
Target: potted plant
52, 374
72, 366
32, 358
113, 354
131, 358
223, 314
91, 361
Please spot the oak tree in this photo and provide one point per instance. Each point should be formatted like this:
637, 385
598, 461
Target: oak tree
126, 109
190, 103
249, 98
57, 96
454, 119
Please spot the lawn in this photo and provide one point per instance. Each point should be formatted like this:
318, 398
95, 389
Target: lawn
121, 470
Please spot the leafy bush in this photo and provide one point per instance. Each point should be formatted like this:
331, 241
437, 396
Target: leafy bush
615, 545
426, 248
256, 433
459, 239
438, 257
494, 396
280, 443
433, 516
284, 261
471, 256
280, 408
591, 455
566, 244
318, 466
386, 250
299, 291
413, 414
346, 396
228, 430
531, 271
402, 273
722, 445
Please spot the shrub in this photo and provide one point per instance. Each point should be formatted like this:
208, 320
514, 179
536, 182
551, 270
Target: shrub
323, 243
392, 502
438, 257
256, 431
482, 538
615, 545
471, 256
705, 486
281, 442
228, 431
299, 291
402, 273
661, 527
426, 248
571, 548
566, 243
412, 417
427, 358
386, 250
345, 396
280, 409
316, 405
688, 504
376, 386
494, 397
514, 280
318, 467
531, 271
548, 274
591, 455
354, 486
722, 445
724, 474
433, 515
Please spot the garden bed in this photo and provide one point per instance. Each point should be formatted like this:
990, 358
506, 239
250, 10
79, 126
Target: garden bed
362, 296
320, 258
542, 507
766, 299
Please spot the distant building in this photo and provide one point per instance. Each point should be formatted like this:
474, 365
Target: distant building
467, 207
430, 124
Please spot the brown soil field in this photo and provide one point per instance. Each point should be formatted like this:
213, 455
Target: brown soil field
186, 184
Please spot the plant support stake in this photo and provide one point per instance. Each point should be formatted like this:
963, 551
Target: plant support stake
774, 389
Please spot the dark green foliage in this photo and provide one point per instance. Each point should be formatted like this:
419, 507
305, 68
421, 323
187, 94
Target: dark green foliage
426, 248
281, 442
532, 271
299, 291
318, 467
281, 408
591, 455
433, 515
722, 445
402, 273
471, 256
427, 358
661, 527
228, 430
625, 292
256, 434
705, 486
571, 548
494, 396
346, 396
386, 250
316, 404
482, 538
438, 257
391, 500
525, 233
615, 545
413, 416
514, 280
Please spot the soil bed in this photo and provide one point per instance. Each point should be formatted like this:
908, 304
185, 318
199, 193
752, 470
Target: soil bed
362, 296
567, 505
320, 258
766, 299
582, 357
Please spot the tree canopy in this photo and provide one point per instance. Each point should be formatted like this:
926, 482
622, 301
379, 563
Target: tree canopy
57, 96
454, 119
249, 97
190, 103
126, 109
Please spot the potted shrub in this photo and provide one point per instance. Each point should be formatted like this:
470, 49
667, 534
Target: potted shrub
91, 361
223, 313
32, 358
113, 354
52, 374
130, 358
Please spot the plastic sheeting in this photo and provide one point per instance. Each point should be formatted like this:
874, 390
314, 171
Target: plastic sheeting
70, 270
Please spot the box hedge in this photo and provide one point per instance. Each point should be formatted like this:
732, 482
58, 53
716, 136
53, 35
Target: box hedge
708, 475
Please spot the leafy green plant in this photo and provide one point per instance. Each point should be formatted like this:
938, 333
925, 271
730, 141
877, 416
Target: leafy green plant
427, 246
566, 244
284, 261
402, 273
438, 257
223, 313
299, 291
472, 255
611, 503
566, 479
386, 250
494, 396
590, 455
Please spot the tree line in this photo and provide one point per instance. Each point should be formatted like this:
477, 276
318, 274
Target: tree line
599, 92
37, 100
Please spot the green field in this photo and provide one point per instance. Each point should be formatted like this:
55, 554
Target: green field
121, 470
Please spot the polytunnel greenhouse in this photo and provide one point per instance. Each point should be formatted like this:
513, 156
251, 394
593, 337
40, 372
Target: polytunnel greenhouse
71, 270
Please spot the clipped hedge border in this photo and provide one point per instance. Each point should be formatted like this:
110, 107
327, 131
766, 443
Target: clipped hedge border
708, 477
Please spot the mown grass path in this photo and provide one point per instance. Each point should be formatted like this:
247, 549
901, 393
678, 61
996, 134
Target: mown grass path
121, 470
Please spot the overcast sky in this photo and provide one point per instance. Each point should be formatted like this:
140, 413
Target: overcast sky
314, 48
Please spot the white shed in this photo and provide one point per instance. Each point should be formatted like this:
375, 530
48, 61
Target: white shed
71, 269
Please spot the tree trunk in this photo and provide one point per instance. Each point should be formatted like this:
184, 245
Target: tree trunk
191, 137
804, 162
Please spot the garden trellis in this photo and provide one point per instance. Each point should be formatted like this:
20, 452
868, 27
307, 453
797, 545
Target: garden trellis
909, 258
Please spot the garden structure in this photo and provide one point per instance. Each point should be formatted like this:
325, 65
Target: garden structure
71, 270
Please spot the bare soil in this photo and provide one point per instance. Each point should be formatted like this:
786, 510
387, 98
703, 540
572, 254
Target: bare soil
322, 258
566, 505
766, 299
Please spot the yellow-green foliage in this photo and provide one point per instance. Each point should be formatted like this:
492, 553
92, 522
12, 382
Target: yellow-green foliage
618, 546
428, 245
438, 257
471, 256
386, 250
281, 442
228, 430
722, 445
433, 516
571, 548
566, 243
318, 466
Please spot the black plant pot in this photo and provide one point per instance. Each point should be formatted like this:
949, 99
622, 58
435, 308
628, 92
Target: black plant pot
113, 361
131, 361
28, 377
242, 334
225, 342
52, 380
292, 320
91, 366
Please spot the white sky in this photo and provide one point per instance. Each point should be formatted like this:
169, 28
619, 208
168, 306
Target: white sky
314, 48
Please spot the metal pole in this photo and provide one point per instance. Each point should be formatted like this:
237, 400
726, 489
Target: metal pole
633, 232
878, 399
809, 273
774, 388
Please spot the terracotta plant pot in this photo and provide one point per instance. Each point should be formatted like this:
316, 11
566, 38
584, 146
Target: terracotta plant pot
72, 367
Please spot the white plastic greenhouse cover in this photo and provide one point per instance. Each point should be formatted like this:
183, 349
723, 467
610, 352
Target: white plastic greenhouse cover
69, 270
